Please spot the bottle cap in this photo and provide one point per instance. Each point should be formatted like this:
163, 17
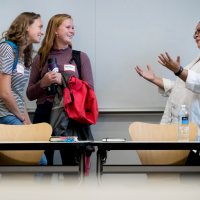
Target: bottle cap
52, 60
52, 64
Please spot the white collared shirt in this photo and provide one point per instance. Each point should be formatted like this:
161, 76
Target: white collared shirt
181, 92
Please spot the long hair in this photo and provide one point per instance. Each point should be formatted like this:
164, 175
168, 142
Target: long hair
17, 33
50, 35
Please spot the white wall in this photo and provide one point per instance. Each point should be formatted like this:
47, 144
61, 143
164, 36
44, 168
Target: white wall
117, 35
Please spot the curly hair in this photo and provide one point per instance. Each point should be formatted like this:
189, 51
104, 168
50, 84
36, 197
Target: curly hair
50, 35
17, 33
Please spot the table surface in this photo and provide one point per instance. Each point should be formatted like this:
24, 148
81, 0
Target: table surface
127, 145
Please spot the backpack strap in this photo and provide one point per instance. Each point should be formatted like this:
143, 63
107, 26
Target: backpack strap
76, 56
15, 50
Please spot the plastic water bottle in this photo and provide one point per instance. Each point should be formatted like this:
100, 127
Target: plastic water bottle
52, 66
183, 124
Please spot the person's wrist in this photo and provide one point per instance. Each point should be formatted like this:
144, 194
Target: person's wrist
179, 71
23, 119
153, 80
42, 85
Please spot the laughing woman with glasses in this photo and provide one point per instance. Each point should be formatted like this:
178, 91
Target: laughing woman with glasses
185, 90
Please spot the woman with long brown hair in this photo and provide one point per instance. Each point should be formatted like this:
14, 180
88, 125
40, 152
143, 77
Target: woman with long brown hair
25, 30
57, 44
16, 50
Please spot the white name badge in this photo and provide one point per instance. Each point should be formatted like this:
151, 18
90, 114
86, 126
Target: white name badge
68, 67
20, 68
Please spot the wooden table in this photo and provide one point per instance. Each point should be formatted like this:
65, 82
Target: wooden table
104, 147
40, 145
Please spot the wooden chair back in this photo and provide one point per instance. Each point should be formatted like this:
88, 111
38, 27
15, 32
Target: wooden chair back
32, 132
140, 131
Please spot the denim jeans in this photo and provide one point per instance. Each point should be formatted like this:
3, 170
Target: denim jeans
43, 160
10, 119
13, 120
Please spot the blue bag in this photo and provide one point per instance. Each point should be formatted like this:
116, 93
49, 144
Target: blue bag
15, 50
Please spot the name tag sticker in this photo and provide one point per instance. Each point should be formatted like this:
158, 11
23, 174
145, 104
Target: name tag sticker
20, 68
68, 67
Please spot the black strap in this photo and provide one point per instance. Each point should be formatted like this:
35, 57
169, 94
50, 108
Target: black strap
179, 71
65, 78
76, 57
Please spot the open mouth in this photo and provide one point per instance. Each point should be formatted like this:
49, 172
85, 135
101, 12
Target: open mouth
70, 37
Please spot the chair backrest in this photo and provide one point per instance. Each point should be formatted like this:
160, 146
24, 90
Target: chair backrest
32, 132
140, 131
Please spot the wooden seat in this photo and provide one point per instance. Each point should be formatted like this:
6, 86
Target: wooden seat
140, 131
32, 132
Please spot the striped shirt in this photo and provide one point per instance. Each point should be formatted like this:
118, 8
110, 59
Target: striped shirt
18, 80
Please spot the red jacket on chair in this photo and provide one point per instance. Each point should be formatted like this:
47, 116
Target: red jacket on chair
80, 101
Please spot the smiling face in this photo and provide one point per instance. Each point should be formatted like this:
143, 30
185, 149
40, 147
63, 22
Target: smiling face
197, 35
64, 33
35, 31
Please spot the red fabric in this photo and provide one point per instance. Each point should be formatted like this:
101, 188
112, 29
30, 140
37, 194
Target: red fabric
87, 165
80, 101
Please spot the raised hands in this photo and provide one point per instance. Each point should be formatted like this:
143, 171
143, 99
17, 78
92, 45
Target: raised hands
168, 62
146, 74
149, 75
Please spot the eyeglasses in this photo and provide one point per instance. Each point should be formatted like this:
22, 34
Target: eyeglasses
197, 32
